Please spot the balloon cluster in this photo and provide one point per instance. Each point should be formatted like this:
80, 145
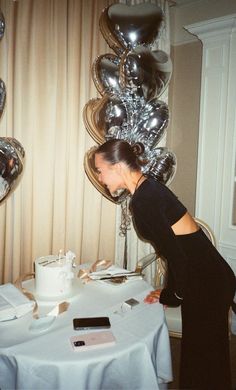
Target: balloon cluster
130, 83
11, 151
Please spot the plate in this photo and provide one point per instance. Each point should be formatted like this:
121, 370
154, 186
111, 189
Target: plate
42, 324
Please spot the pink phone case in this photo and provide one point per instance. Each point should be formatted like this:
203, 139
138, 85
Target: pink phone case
93, 340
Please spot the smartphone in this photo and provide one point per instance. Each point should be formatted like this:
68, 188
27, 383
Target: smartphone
91, 323
92, 340
132, 302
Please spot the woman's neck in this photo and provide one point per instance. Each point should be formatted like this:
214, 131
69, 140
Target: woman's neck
136, 180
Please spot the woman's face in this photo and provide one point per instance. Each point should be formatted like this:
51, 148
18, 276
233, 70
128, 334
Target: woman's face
108, 174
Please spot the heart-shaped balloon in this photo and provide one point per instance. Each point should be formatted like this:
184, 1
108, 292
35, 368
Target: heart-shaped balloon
102, 117
105, 74
93, 115
11, 165
90, 170
145, 72
126, 26
162, 165
2, 96
152, 123
2, 25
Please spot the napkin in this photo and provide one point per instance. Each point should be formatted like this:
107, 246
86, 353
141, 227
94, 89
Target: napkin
13, 303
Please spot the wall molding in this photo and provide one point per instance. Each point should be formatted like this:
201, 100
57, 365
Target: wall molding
213, 27
217, 130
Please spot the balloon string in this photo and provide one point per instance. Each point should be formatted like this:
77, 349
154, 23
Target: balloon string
125, 218
125, 261
124, 227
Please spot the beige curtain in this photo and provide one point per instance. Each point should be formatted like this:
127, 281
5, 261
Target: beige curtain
45, 61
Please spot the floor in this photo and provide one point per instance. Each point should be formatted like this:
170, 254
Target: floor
175, 351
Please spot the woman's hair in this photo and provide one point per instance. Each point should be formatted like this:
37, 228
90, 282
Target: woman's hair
118, 150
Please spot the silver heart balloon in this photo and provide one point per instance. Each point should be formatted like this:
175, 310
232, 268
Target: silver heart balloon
162, 164
130, 83
11, 165
105, 74
93, 117
153, 121
102, 117
115, 116
145, 72
2, 96
126, 26
2, 25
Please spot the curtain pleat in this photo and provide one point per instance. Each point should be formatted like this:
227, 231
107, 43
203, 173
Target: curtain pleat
46, 56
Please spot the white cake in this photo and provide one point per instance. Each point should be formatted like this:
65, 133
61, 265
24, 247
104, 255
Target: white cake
53, 276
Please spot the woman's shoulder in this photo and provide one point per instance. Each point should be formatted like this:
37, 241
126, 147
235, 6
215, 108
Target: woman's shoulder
152, 190
149, 191
152, 186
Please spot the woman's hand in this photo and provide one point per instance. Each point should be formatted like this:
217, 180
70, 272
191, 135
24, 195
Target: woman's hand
153, 296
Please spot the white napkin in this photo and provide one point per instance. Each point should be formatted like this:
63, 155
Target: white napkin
13, 303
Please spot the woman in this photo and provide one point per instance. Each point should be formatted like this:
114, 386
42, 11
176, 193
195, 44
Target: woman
199, 279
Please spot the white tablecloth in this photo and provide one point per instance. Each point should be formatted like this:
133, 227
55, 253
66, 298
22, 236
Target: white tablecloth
139, 360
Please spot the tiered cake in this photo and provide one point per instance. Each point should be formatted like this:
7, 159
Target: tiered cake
53, 276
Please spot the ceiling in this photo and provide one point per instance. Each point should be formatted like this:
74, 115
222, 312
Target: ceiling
184, 2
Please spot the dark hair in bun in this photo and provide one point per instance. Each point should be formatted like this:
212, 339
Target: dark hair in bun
118, 150
138, 149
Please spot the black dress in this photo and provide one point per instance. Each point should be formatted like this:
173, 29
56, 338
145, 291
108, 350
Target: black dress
198, 274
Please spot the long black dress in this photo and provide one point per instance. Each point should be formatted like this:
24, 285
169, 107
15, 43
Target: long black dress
198, 274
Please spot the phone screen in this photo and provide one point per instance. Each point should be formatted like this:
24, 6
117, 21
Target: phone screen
91, 323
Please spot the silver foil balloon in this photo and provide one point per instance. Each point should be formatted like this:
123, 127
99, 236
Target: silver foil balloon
126, 26
115, 113
152, 123
2, 25
102, 117
93, 115
2, 96
145, 72
130, 83
105, 74
161, 164
11, 165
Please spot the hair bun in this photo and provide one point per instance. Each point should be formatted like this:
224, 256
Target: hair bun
138, 148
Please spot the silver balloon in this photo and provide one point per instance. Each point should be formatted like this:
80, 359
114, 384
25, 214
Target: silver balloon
152, 123
145, 72
2, 96
2, 25
105, 73
130, 83
115, 117
126, 26
161, 166
11, 165
102, 117
129, 110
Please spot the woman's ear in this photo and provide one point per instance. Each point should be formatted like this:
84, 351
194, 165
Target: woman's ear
119, 168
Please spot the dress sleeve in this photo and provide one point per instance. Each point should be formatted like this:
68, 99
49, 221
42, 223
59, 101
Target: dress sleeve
151, 221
